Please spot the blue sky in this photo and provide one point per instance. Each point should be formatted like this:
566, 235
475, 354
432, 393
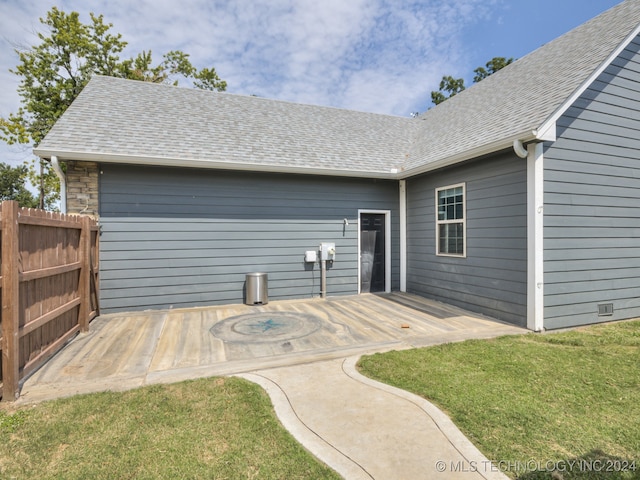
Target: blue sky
382, 56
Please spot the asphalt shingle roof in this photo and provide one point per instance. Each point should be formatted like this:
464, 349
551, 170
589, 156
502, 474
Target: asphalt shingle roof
122, 118
129, 121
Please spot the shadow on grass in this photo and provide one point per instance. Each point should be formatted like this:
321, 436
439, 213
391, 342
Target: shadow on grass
593, 465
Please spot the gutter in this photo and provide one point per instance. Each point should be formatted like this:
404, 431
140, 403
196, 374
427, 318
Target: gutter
538, 135
63, 183
547, 133
519, 149
196, 163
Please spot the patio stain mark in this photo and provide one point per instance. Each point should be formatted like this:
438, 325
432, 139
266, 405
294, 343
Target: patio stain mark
266, 327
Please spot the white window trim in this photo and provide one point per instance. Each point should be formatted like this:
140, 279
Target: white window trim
442, 222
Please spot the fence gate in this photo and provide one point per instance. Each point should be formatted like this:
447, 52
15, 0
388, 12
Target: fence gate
49, 287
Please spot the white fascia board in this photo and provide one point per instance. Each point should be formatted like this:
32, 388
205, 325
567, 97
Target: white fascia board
547, 133
63, 155
529, 135
553, 118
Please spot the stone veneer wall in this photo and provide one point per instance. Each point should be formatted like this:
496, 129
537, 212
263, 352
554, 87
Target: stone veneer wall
82, 188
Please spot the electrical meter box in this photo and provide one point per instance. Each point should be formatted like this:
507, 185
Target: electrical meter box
327, 251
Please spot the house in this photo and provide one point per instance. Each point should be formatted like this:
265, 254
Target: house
518, 198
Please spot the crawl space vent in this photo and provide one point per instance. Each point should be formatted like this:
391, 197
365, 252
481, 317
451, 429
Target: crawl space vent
605, 309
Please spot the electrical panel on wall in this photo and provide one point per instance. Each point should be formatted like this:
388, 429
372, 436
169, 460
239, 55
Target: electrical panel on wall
327, 251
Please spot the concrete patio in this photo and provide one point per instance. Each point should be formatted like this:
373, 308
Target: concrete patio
124, 351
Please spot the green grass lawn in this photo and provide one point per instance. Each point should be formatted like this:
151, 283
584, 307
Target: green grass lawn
535, 399
211, 428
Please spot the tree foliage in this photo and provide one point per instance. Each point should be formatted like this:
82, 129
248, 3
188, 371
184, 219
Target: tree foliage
450, 86
13, 185
40, 174
491, 67
68, 54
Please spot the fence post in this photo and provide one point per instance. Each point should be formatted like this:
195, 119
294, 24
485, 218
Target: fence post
84, 286
10, 302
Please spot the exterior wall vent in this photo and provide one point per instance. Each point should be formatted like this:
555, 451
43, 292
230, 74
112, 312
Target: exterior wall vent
605, 309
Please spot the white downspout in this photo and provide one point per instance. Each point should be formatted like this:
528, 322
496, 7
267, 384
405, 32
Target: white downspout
535, 237
520, 149
403, 235
63, 183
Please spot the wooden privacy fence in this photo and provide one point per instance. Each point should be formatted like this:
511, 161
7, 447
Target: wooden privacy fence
49, 287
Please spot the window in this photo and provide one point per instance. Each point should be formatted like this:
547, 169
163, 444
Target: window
450, 220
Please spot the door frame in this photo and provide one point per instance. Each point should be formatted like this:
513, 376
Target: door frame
387, 247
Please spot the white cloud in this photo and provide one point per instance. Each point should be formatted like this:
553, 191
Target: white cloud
298, 50
372, 55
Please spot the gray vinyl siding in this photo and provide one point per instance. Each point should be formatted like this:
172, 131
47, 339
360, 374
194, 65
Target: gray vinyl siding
492, 278
185, 237
592, 201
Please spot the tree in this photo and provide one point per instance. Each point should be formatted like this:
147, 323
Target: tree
492, 66
56, 70
47, 182
12, 185
450, 86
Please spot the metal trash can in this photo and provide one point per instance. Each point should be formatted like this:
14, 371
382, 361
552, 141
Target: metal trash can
257, 289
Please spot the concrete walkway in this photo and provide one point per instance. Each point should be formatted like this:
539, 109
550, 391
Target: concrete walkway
364, 429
